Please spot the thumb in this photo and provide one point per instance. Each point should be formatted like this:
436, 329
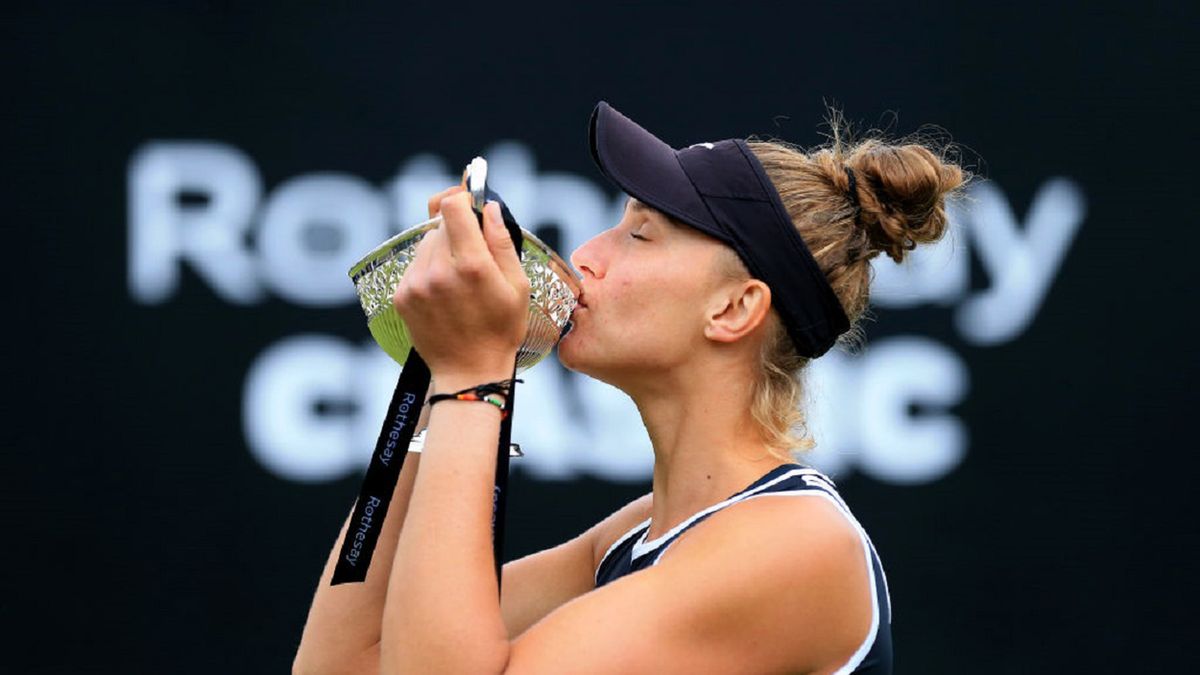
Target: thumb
500, 244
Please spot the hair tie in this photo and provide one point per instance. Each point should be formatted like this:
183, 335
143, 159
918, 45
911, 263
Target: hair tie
852, 193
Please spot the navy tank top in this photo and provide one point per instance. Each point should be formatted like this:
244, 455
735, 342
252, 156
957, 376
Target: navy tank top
632, 552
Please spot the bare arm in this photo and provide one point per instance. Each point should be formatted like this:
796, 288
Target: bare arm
343, 627
539, 583
342, 632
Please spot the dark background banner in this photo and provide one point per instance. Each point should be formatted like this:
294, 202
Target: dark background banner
193, 392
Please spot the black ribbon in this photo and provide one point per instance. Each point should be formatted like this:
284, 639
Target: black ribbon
500, 491
375, 495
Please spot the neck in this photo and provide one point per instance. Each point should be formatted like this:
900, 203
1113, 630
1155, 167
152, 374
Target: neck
706, 443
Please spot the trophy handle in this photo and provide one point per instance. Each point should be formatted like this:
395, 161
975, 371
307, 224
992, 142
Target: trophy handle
475, 178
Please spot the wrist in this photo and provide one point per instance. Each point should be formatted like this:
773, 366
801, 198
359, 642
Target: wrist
448, 383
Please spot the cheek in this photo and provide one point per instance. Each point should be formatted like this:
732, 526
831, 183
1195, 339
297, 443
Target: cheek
650, 312
661, 312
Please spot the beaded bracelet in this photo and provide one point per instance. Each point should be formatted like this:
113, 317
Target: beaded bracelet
490, 392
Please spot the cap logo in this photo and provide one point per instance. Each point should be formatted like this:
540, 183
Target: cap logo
701, 145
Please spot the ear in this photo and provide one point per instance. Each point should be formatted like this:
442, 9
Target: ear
737, 310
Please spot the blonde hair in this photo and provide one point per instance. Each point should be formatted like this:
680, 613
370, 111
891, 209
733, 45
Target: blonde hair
901, 188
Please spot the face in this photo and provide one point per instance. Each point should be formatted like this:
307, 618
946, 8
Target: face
647, 285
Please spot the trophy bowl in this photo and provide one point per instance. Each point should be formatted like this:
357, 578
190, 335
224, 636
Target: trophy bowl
553, 289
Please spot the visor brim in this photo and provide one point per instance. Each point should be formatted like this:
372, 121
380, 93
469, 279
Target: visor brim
646, 168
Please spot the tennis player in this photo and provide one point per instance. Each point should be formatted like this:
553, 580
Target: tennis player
734, 265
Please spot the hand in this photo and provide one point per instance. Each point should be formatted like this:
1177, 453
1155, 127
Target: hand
465, 297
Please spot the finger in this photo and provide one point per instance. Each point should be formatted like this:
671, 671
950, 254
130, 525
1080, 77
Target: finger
422, 257
500, 243
462, 229
439, 248
410, 278
435, 202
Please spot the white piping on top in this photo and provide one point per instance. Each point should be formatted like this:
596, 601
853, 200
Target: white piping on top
642, 547
617, 543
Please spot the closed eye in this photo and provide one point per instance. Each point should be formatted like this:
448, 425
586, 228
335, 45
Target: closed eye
635, 235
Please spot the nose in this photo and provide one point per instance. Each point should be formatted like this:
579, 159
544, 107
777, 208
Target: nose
589, 256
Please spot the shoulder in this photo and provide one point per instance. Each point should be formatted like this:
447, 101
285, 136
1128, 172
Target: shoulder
806, 535
792, 564
605, 533
790, 525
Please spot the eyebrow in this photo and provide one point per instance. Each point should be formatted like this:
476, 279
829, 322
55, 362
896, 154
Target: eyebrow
635, 205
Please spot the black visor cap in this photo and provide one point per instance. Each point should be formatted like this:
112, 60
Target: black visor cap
722, 190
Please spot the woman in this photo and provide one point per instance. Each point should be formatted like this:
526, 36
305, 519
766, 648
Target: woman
735, 264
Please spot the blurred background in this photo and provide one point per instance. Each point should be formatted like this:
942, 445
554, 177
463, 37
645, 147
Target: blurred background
193, 393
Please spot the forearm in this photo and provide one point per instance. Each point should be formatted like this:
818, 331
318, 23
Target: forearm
344, 621
443, 609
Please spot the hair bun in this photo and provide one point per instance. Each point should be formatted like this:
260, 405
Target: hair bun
902, 191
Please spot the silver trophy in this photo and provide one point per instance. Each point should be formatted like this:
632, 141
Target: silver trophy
552, 297
553, 287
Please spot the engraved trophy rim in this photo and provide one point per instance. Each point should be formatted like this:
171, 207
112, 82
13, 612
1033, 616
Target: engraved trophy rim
381, 253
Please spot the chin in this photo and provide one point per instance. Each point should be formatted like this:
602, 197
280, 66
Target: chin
584, 353
568, 353
607, 373
571, 357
